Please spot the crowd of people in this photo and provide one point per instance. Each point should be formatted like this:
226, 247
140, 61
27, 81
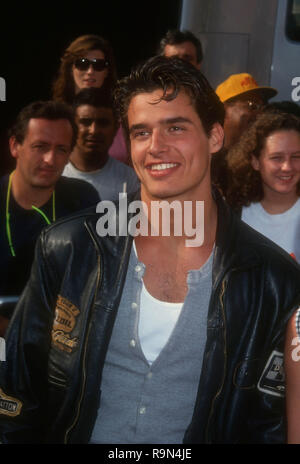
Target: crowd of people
137, 337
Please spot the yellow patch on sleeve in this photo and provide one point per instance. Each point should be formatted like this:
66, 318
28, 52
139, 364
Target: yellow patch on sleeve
9, 405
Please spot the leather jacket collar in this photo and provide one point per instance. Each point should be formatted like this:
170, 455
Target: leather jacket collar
230, 250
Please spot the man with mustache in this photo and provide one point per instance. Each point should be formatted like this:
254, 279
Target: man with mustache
34, 194
90, 160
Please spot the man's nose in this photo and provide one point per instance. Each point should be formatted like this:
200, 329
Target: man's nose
49, 157
94, 128
157, 143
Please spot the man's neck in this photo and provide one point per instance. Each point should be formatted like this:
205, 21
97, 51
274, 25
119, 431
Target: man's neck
88, 163
202, 222
169, 258
26, 195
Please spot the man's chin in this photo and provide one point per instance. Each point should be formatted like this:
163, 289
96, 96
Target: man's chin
44, 183
43, 186
94, 155
93, 150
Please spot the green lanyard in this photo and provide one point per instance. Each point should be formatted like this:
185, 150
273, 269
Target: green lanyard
8, 231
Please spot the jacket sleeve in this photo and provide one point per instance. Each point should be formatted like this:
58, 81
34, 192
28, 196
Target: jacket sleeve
23, 374
271, 386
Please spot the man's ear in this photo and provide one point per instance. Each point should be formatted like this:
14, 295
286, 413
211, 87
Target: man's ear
255, 163
216, 138
14, 146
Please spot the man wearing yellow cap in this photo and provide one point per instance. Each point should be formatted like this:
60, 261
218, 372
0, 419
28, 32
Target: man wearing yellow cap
243, 99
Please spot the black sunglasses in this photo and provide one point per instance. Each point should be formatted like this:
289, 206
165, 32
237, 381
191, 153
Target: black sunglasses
98, 64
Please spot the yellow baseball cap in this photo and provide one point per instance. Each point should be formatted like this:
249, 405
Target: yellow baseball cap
240, 84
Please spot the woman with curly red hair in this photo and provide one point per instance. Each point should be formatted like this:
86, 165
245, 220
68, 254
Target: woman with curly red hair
264, 172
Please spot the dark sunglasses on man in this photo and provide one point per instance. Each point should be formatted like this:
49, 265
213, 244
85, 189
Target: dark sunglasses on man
83, 64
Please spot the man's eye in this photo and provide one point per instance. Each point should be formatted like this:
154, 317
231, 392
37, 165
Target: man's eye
63, 150
140, 134
176, 129
39, 146
104, 122
86, 122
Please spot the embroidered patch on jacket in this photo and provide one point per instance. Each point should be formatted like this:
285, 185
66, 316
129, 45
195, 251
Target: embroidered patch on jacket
63, 325
9, 406
272, 378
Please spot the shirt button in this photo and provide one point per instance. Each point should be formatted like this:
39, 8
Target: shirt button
132, 343
142, 410
134, 305
138, 268
149, 375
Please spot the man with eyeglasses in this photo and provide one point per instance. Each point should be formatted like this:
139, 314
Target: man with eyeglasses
34, 194
243, 100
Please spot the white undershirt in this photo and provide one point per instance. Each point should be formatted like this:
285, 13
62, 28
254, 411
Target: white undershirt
156, 323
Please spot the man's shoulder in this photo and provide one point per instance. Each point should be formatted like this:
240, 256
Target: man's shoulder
75, 226
121, 167
71, 227
72, 183
4, 181
77, 188
252, 242
3, 191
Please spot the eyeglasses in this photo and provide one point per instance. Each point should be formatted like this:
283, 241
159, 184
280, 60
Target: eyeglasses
254, 106
98, 64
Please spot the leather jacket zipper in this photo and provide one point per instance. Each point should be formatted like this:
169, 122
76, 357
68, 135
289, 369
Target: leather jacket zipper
224, 283
84, 359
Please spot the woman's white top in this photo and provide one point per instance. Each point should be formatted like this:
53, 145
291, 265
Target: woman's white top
283, 229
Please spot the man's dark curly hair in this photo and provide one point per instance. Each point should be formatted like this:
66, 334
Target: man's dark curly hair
245, 183
171, 75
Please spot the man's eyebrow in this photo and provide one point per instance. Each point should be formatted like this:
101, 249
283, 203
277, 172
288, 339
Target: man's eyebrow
283, 152
135, 127
175, 120
40, 141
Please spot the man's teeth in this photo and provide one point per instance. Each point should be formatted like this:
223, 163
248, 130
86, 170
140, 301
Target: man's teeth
160, 167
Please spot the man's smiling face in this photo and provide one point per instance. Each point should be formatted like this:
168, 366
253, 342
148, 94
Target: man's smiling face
169, 148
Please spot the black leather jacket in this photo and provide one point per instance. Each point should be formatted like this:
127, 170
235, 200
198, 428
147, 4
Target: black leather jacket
50, 383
